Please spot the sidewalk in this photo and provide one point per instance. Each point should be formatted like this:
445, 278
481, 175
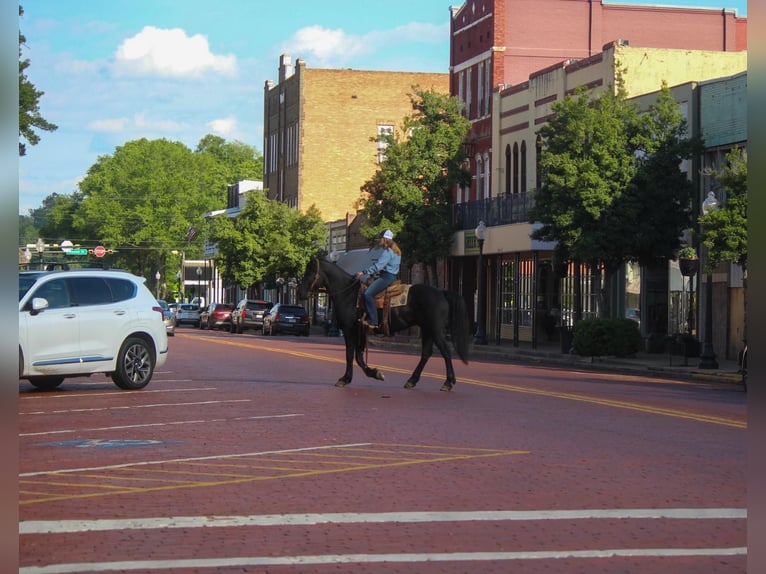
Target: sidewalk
549, 353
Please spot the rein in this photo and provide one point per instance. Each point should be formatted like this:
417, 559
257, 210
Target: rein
317, 277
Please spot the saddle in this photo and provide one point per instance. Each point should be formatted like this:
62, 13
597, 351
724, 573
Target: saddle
395, 295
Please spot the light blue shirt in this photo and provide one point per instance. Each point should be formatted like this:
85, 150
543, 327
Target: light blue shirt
388, 262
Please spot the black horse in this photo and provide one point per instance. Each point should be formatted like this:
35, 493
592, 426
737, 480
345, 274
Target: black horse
433, 310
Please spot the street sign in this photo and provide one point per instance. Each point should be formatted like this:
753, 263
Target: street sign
99, 251
77, 251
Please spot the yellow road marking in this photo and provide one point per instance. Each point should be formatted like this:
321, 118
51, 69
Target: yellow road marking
592, 399
225, 479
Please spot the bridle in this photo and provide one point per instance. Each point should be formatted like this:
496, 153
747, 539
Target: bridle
317, 277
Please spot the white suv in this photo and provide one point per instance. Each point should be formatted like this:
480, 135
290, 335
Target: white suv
82, 321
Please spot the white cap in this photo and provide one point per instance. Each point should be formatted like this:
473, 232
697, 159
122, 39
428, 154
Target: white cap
388, 234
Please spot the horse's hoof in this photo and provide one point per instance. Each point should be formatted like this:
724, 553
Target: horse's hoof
409, 385
341, 383
446, 387
379, 376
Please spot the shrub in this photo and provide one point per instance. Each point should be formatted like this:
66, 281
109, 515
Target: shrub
598, 337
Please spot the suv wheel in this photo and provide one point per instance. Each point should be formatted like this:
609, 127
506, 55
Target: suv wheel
135, 365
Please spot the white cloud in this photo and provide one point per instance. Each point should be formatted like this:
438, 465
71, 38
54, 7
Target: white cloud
324, 47
108, 125
142, 123
170, 53
224, 127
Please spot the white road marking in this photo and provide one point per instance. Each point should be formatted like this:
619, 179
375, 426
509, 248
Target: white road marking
59, 526
146, 565
116, 392
190, 459
172, 423
129, 407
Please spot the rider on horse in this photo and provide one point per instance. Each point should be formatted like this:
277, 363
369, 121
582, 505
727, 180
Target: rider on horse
386, 267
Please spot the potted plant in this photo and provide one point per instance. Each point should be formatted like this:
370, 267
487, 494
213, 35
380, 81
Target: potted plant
688, 262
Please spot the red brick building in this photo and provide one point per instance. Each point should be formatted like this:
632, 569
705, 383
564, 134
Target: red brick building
502, 42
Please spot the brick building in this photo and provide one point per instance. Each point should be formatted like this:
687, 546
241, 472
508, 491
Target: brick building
320, 129
523, 287
501, 42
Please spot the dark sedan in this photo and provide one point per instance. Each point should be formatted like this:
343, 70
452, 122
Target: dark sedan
286, 319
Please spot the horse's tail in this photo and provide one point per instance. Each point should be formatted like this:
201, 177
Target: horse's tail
458, 324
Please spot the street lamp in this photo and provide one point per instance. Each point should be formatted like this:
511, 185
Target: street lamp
40, 246
707, 358
481, 335
157, 279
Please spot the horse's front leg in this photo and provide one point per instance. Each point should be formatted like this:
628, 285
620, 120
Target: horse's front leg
360, 360
443, 346
348, 375
426, 350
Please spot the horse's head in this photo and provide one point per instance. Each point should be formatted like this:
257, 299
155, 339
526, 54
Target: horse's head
312, 278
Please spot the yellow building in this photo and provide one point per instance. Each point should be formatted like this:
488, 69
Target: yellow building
320, 131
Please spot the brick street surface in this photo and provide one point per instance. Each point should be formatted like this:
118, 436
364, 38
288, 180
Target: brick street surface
243, 457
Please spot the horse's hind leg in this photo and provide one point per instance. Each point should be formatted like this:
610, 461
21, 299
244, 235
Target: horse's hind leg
426, 350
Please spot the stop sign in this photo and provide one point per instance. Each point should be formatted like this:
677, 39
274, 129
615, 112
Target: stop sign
99, 251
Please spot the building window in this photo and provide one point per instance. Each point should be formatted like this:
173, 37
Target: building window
508, 169
461, 91
480, 90
479, 176
383, 130
487, 164
515, 168
523, 167
468, 94
487, 87
506, 295
538, 169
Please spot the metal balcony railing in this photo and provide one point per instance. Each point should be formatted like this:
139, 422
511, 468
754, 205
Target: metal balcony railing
501, 210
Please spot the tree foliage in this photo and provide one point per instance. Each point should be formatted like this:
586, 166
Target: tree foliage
612, 186
29, 104
266, 240
724, 232
411, 193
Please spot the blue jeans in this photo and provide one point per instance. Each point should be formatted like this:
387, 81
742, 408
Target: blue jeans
381, 282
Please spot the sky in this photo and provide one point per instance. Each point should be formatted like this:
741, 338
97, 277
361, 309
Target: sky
121, 70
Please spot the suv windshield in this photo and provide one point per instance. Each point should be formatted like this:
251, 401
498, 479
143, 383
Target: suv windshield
26, 281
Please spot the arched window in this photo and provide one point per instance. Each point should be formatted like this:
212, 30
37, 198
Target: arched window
487, 165
515, 168
523, 167
507, 169
479, 176
538, 172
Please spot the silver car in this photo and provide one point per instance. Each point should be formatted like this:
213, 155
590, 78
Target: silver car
188, 313
168, 317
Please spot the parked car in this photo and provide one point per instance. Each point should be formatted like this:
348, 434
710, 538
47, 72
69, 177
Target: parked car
188, 313
82, 321
216, 316
248, 314
173, 308
286, 319
168, 318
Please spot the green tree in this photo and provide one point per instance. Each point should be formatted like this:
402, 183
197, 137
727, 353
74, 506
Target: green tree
724, 232
411, 193
29, 104
266, 240
240, 160
612, 188
142, 200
